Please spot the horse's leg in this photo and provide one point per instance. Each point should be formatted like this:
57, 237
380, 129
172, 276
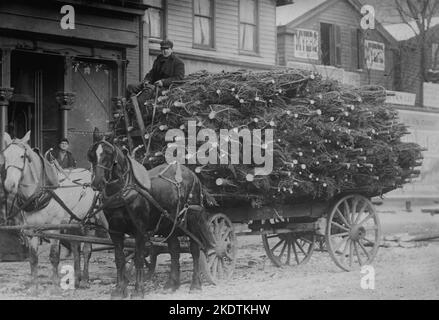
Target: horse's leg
76, 249
54, 260
120, 291
139, 257
33, 259
152, 263
196, 279
85, 279
86, 251
173, 282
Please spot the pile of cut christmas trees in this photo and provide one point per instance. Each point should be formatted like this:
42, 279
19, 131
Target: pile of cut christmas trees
327, 138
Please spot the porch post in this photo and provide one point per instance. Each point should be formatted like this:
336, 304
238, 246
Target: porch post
5, 96
5, 91
65, 101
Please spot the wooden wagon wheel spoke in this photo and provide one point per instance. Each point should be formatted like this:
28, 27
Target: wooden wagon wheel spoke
354, 204
305, 240
283, 249
300, 247
357, 253
360, 212
347, 211
277, 245
220, 268
364, 249
295, 253
289, 252
226, 234
351, 252
339, 234
346, 247
272, 236
370, 216
339, 226
342, 218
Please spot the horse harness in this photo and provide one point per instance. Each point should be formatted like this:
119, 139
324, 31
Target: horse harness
121, 198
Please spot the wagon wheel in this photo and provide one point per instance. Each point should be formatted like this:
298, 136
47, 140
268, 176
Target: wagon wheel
289, 248
219, 264
353, 232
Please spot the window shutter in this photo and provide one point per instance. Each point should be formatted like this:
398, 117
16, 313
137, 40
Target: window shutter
337, 45
354, 50
360, 40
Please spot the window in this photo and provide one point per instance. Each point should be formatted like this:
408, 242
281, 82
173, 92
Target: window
203, 23
330, 44
357, 49
155, 17
248, 26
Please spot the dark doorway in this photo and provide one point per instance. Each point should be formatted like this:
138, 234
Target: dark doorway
35, 78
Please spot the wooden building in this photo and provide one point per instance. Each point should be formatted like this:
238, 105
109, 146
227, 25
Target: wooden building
326, 36
64, 80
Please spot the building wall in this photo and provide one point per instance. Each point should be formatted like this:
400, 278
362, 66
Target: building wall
225, 55
348, 18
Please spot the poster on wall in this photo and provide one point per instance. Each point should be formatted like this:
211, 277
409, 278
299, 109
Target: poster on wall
375, 55
306, 44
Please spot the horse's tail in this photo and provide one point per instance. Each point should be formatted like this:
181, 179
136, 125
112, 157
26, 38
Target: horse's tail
198, 216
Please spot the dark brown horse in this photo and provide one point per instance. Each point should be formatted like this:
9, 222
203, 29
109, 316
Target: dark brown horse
176, 189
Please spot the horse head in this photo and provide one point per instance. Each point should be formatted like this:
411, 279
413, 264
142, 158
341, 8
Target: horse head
17, 157
108, 164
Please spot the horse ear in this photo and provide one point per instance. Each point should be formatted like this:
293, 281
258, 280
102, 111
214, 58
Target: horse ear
7, 139
97, 135
26, 137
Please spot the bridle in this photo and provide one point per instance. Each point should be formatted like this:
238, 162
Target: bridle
113, 163
25, 157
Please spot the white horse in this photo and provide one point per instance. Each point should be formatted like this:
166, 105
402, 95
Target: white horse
27, 175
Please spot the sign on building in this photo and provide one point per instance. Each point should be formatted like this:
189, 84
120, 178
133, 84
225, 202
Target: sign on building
431, 95
400, 98
306, 44
375, 55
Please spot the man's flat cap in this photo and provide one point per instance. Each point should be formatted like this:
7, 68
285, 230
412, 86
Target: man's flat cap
166, 44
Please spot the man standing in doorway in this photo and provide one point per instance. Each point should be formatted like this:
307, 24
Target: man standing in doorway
167, 68
63, 155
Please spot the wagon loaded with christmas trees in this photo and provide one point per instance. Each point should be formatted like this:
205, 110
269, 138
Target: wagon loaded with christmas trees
332, 149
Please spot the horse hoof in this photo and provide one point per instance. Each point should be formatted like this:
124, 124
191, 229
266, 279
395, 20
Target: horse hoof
170, 288
195, 289
137, 295
118, 294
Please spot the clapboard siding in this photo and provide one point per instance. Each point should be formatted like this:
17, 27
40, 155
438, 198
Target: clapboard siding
226, 45
343, 14
45, 20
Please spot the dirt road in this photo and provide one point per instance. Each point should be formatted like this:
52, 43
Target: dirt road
400, 273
